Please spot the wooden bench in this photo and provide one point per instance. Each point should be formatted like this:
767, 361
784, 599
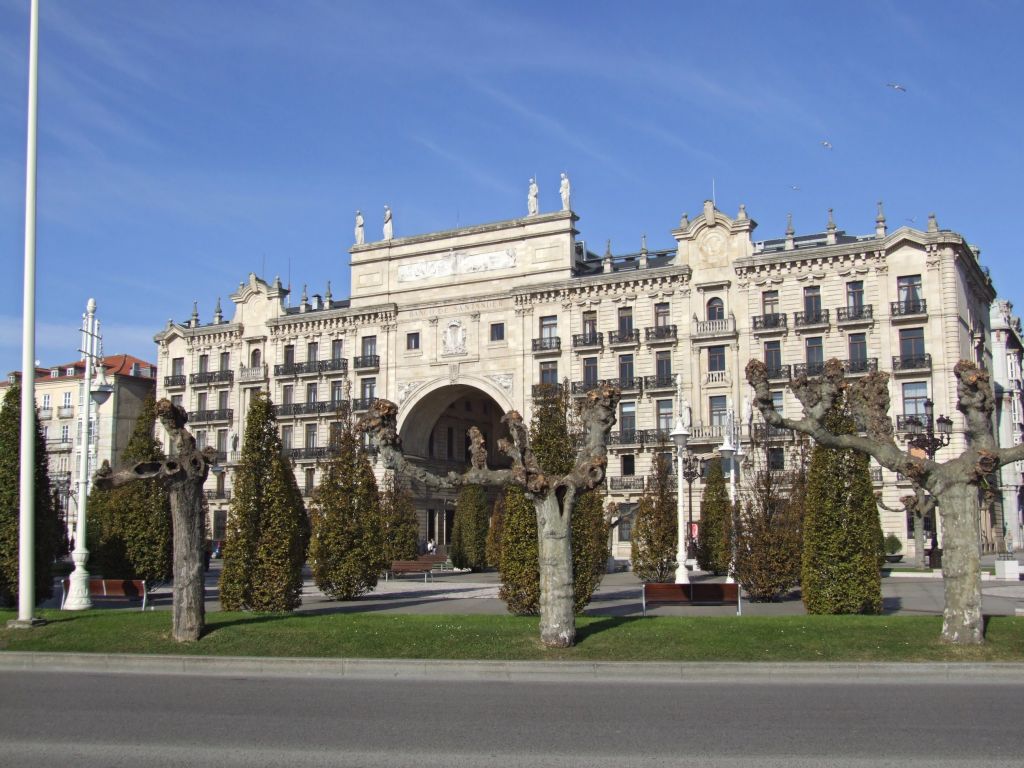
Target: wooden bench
110, 589
423, 566
694, 593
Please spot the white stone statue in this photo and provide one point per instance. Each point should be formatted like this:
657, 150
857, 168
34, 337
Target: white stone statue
532, 205
686, 414
748, 410
453, 341
565, 190
389, 229
360, 236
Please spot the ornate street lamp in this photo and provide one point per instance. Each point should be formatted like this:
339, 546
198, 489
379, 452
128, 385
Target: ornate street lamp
689, 468
929, 437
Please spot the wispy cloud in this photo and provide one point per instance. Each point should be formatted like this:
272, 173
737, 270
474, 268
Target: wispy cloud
465, 166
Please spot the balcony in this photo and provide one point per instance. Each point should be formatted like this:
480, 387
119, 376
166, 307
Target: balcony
315, 367
211, 377
215, 495
626, 437
910, 422
360, 404
311, 453
659, 381
46, 413
909, 363
624, 338
710, 329
175, 382
587, 340
808, 369
657, 437
312, 408
366, 363
761, 431
579, 388
860, 366
908, 309
779, 372
717, 377
58, 445
705, 433
204, 417
626, 483
627, 383
855, 315
774, 322
811, 320
659, 334
254, 373
546, 391
547, 345
66, 412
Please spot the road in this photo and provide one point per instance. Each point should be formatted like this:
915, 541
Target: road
109, 719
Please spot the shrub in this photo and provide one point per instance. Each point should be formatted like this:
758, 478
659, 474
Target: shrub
399, 528
494, 533
468, 548
715, 524
655, 529
893, 545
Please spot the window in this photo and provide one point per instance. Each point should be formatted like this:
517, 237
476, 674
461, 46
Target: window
222, 399
589, 371
773, 356
288, 394
549, 373
176, 400
716, 309
776, 459
369, 345
289, 354
312, 350
663, 414
625, 526
663, 366
255, 358
625, 321
858, 349
337, 349
178, 366
55, 373
222, 441
909, 289
716, 358
778, 397
770, 302
201, 402
368, 388
717, 407
628, 463
625, 370
66, 402
310, 482
497, 331
46, 401
412, 340
200, 439
549, 326
70, 372
911, 343
914, 395
627, 417
337, 391
815, 352
225, 361
855, 295
311, 393
590, 323
65, 433
204, 363
812, 302
661, 314
310, 436
46, 433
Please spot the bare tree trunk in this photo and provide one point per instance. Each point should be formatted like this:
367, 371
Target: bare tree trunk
557, 593
919, 540
961, 564
189, 581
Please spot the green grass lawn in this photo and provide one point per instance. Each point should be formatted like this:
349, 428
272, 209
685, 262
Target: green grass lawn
364, 635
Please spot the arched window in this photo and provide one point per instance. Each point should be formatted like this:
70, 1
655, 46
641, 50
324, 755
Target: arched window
254, 358
716, 309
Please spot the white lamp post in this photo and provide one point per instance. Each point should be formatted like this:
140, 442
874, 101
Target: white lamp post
78, 593
729, 450
679, 436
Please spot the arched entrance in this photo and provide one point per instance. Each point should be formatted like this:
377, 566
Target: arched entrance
433, 424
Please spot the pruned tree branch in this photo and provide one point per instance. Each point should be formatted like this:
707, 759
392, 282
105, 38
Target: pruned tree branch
106, 478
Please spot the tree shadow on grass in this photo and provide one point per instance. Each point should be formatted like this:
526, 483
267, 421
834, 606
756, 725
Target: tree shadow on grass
586, 631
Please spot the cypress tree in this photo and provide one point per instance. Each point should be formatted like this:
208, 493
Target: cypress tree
267, 529
495, 530
47, 525
589, 546
840, 572
130, 535
520, 578
347, 549
656, 529
469, 530
399, 528
715, 523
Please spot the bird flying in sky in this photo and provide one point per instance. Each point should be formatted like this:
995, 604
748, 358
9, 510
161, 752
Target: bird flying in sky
896, 87
826, 144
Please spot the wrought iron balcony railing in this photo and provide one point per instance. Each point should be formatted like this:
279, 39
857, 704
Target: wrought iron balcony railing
366, 362
770, 322
173, 382
547, 344
624, 337
212, 377
912, 362
587, 340
908, 307
626, 483
779, 372
861, 365
219, 414
660, 381
812, 318
660, 333
862, 313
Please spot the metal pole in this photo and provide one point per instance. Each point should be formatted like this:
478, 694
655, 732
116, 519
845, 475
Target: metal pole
78, 594
26, 488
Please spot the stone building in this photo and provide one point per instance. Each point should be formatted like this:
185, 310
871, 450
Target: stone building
58, 393
1007, 352
459, 326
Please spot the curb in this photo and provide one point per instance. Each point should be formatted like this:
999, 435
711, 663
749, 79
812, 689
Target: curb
1010, 673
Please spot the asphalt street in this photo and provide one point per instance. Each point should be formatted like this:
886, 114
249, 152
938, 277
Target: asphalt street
174, 720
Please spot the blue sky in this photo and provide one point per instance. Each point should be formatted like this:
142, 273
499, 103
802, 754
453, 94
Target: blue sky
183, 145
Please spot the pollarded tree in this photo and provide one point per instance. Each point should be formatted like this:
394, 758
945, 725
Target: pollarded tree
469, 530
656, 529
553, 492
48, 537
713, 545
399, 528
130, 533
840, 572
267, 530
495, 530
954, 484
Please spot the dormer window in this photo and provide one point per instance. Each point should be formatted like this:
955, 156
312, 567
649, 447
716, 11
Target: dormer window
71, 372
54, 373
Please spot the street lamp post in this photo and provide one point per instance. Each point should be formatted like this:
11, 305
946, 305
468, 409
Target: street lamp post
690, 467
929, 437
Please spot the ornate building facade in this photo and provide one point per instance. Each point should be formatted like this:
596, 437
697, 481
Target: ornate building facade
1007, 359
459, 326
